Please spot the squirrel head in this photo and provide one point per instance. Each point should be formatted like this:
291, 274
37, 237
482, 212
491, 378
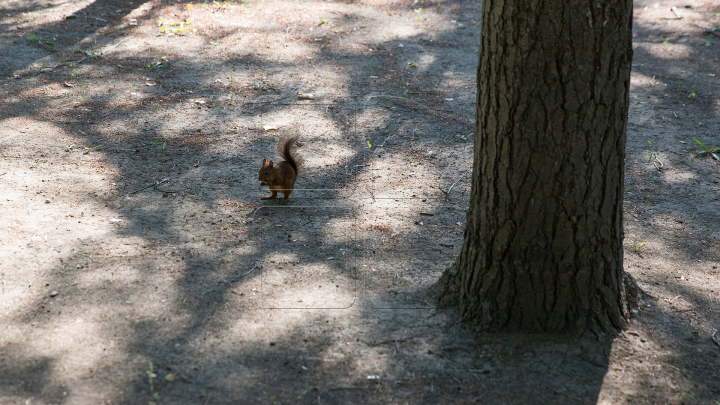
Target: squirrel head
266, 174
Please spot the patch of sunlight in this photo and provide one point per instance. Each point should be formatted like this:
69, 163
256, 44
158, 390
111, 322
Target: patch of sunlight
277, 324
641, 80
76, 345
53, 203
663, 51
333, 157
387, 185
677, 176
422, 63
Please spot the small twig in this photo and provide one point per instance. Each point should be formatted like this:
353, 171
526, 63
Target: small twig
38, 277
447, 193
657, 163
404, 99
251, 270
383, 342
440, 113
384, 140
674, 11
268, 102
633, 357
121, 41
69, 62
395, 341
3, 174
152, 185
167, 191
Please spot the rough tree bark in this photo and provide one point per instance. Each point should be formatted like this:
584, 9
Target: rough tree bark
543, 239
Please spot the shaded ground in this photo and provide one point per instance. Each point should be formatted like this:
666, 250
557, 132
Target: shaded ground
131, 228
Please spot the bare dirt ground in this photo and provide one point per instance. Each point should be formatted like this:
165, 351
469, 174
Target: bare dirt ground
131, 229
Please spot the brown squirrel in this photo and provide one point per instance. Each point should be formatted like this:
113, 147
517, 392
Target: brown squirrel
281, 177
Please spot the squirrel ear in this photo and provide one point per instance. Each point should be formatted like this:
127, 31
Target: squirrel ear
264, 160
271, 163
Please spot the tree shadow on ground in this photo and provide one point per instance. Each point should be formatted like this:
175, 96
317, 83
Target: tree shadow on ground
670, 208
194, 273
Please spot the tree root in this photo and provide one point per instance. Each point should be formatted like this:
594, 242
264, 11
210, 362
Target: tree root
447, 289
634, 295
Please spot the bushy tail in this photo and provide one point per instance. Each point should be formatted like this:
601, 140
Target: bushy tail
285, 149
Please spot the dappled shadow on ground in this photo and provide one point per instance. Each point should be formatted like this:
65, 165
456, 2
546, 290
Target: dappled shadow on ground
170, 259
25, 374
670, 241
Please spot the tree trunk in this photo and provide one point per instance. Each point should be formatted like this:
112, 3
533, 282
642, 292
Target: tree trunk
543, 239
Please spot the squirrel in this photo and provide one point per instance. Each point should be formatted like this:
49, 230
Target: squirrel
281, 176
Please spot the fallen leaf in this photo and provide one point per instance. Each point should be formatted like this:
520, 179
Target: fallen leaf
413, 64
306, 96
66, 84
170, 377
150, 83
269, 127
